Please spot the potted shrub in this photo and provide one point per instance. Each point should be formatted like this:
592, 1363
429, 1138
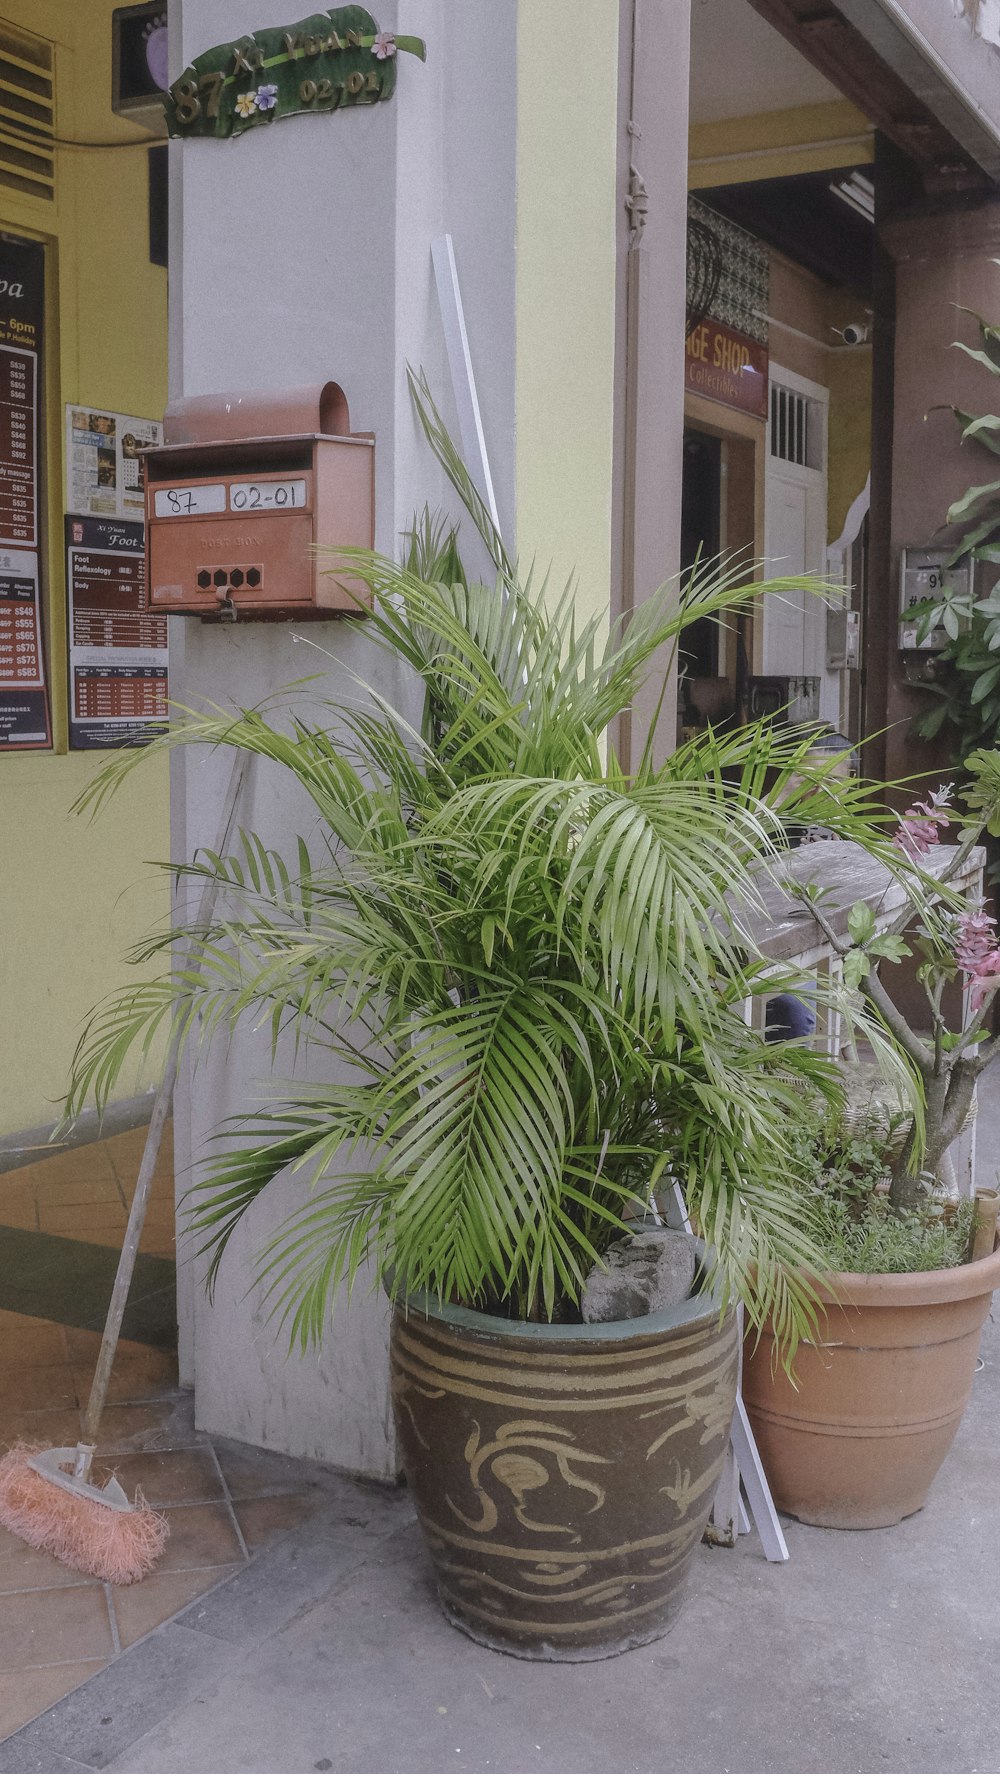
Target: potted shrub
855, 1438
531, 969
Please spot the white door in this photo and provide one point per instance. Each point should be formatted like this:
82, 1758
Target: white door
795, 504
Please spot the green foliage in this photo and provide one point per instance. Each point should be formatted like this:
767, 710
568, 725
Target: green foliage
859, 1231
968, 690
521, 970
869, 947
982, 792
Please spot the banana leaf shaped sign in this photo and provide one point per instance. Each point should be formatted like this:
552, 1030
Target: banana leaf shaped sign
328, 61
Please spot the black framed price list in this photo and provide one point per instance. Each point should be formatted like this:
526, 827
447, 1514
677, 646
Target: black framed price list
24, 703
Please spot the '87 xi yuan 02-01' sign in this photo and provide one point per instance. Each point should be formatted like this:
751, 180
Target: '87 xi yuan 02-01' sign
330, 60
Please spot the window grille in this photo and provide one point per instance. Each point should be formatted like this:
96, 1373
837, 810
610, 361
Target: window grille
27, 115
792, 438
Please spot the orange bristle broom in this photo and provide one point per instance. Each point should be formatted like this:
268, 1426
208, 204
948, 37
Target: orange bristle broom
46, 1497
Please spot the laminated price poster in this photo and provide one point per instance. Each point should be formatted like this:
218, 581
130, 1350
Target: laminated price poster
117, 644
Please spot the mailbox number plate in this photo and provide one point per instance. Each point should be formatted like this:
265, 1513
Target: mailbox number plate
267, 495
194, 501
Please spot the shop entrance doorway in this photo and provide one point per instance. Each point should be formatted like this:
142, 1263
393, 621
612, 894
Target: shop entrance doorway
701, 540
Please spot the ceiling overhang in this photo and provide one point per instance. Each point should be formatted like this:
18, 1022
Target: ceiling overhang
919, 72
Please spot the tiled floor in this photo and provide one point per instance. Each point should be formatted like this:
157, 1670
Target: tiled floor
223, 1503
85, 1193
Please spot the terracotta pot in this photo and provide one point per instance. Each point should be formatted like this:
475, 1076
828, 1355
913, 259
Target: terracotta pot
563, 1474
858, 1440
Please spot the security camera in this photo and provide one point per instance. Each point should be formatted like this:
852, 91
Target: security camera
856, 332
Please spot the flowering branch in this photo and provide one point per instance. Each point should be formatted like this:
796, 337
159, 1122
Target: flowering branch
953, 944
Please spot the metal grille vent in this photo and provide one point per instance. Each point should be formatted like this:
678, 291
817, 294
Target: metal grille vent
27, 116
790, 438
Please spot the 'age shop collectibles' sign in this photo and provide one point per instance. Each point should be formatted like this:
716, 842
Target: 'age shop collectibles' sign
727, 366
329, 60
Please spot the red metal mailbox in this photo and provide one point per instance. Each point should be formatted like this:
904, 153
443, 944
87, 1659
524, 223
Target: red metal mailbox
240, 494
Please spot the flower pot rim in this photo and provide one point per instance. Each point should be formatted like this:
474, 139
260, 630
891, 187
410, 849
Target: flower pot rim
926, 1287
708, 1303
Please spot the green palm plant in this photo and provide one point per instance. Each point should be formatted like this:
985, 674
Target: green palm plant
533, 965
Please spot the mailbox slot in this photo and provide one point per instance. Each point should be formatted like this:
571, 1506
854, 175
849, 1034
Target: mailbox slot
234, 522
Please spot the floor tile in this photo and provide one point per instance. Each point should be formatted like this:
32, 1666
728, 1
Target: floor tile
263, 1520
85, 1220
126, 1701
41, 1429
125, 1155
58, 1626
83, 1345
37, 1388
21, 1567
74, 1191
201, 1534
21, 1321
36, 1345
83, 1163
156, 1245
27, 1692
182, 1475
166, 1423
146, 1605
18, 1210
132, 1381
253, 1472
70, 1280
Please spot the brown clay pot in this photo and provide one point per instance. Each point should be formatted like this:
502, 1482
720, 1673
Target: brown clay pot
563, 1474
857, 1441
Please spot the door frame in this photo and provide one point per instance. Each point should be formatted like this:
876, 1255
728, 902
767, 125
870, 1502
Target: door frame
811, 479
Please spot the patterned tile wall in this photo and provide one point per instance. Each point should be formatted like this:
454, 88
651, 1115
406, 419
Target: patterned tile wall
741, 298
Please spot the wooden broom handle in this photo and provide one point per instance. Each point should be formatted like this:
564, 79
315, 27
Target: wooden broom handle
151, 1151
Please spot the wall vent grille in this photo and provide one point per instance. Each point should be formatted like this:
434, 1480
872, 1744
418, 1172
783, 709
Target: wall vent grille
27, 116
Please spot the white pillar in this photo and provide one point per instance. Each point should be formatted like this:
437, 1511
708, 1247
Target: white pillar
300, 253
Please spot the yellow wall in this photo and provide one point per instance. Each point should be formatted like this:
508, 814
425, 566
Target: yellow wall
850, 379
72, 898
776, 144
818, 312
565, 313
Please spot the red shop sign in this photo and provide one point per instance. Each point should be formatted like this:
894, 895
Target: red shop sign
726, 366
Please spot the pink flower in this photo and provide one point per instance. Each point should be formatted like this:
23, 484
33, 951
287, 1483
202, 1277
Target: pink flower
918, 827
985, 981
978, 954
974, 938
383, 46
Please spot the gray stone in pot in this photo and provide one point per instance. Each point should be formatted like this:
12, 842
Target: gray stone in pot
646, 1271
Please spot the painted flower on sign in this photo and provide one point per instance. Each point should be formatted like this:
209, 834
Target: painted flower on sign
267, 98
383, 46
246, 104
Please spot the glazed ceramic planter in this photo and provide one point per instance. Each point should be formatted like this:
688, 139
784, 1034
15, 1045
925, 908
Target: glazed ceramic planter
563, 1474
857, 1441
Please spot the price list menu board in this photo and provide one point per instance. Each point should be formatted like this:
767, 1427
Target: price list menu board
24, 718
24, 708
117, 644
18, 447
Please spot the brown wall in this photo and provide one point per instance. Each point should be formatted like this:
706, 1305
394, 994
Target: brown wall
942, 263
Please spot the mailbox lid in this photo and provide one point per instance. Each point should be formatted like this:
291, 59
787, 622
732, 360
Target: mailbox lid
317, 408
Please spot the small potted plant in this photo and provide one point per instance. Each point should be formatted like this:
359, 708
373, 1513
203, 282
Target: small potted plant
530, 968
855, 1438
